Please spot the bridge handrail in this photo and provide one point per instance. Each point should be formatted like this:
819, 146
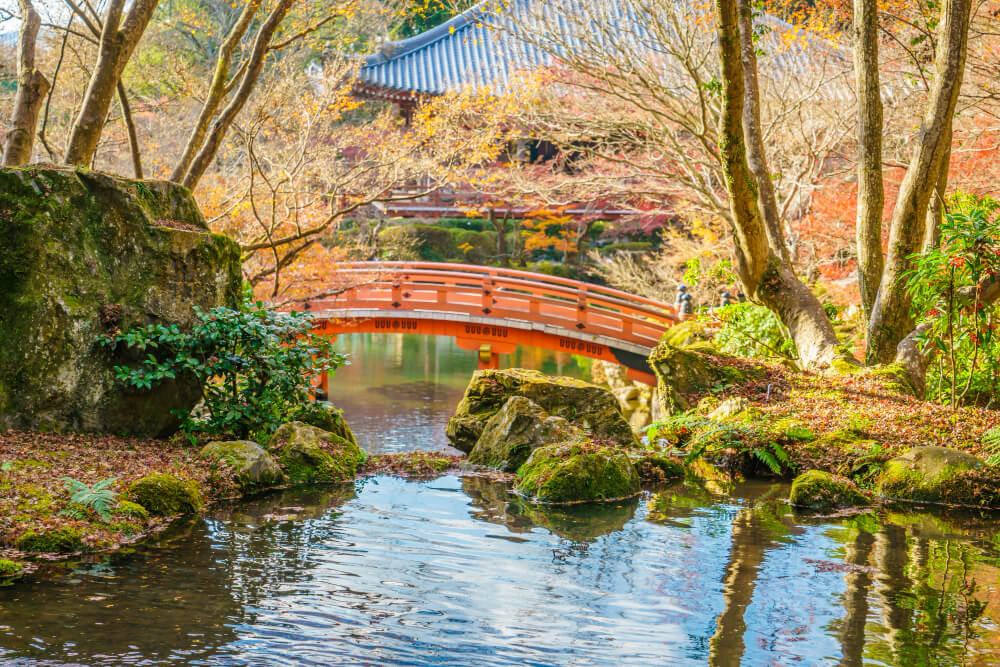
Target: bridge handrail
527, 278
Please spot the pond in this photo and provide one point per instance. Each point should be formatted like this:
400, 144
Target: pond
455, 571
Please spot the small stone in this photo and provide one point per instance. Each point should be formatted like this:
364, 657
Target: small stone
815, 489
310, 454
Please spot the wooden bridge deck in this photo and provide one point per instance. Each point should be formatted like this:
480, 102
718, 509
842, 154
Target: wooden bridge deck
493, 309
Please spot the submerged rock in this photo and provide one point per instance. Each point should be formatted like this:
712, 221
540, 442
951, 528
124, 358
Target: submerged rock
820, 490
165, 495
84, 254
581, 403
517, 429
253, 467
940, 475
310, 454
577, 472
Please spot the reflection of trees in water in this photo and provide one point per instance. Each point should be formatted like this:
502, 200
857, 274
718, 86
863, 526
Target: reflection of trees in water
175, 598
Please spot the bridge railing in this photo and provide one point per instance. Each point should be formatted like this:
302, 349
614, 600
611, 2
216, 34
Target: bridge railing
499, 293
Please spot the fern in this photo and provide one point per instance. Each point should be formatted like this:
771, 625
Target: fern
991, 443
99, 497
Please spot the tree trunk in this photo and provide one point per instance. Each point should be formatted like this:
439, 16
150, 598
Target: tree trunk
891, 320
766, 278
936, 208
133, 138
501, 229
210, 146
31, 89
116, 46
756, 156
871, 191
216, 90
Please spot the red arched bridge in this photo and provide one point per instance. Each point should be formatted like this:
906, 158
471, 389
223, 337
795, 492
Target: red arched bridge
492, 310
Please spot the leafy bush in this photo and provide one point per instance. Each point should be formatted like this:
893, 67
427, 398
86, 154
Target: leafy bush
751, 330
255, 365
99, 498
947, 289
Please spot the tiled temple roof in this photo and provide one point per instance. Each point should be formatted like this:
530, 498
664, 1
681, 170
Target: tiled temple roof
486, 47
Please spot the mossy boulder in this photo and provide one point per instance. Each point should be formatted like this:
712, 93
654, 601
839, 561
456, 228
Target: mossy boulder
687, 332
583, 404
577, 472
57, 540
658, 468
684, 372
162, 494
9, 570
815, 489
940, 475
323, 415
517, 429
132, 510
84, 254
310, 454
252, 466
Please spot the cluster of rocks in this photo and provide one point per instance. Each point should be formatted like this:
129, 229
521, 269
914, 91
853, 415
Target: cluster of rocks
566, 440
638, 401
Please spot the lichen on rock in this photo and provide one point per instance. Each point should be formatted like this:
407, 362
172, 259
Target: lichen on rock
583, 404
517, 429
84, 254
940, 475
253, 467
577, 472
815, 489
310, 454
162, 494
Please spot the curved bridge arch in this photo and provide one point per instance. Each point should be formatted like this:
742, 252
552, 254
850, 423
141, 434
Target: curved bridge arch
492, 310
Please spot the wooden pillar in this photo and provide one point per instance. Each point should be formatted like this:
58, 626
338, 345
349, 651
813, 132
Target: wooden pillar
488, 358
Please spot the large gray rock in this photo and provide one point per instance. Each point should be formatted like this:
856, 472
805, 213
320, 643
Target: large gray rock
84, 254
583, 404
520, 427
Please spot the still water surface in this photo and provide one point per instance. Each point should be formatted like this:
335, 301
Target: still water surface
455, 571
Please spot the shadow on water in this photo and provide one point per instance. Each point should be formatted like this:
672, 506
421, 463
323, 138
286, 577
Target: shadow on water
459, 571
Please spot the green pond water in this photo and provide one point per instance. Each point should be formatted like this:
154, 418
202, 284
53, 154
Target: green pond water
456, 571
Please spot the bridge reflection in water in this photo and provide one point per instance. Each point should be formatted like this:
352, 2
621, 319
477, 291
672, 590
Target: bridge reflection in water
493, 310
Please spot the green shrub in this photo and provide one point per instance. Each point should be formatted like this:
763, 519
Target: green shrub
750, 330
959, 326
256, 365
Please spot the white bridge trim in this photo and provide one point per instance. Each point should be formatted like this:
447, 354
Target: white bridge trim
524, 325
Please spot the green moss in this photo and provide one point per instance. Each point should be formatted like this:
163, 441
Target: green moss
328, 418
940, 475
57, 540
252, 466
577, 472
816, 489
9, 568
659, 468
126, 528
309, 454
165, 495
130, 509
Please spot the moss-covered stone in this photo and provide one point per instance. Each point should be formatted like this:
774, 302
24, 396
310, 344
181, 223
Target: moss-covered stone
517, 429
577, 472
325, 416
56, 540
659, 468
581, 403
686, 333
940, 475
682, 372
253, 467
9, 569
84, 254
310, 454
820, 490
131, 510
165, 495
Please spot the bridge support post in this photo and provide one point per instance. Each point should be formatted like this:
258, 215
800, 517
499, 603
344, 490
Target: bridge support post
488, 358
